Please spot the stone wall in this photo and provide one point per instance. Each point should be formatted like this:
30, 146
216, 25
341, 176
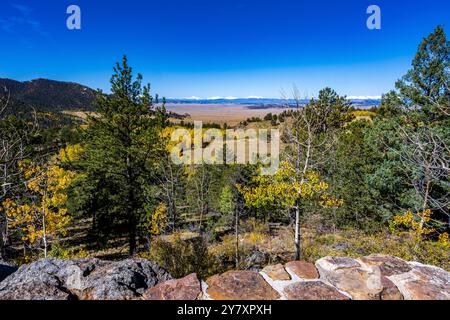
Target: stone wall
375, 277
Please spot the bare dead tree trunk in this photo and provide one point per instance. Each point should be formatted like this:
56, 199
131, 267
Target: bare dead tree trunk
3, 236
44, 232
297, 238
425, 197
302, 138
236, 234
427, 152
12, 150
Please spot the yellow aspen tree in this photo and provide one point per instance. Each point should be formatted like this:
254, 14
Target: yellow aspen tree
286, 189
43, 215
158, 220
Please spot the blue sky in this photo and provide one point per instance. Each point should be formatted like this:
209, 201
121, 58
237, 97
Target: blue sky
210, 48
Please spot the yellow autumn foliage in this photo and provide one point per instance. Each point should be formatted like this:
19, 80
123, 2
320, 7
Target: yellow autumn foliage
416, 225
42, 214
158, 219
70, 153
287, 189
414, 221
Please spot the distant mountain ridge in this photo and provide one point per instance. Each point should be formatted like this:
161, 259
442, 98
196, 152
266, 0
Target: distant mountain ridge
265, 103
51, 95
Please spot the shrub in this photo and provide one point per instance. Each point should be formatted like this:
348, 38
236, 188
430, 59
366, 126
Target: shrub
364, 113
356, 244
61, 251
181, 257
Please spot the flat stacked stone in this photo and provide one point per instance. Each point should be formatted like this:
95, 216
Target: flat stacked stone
277, 272
240, 285
303, 269
423, 282
187, 288
313, 290
361, 281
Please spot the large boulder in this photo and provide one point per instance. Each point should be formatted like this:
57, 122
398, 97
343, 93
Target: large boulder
93, 279
423, 282
36, 281
5, 270
361, 281
187, 288
312, 290
240, 285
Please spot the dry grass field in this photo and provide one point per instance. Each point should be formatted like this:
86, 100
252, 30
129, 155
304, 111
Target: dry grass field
229, 113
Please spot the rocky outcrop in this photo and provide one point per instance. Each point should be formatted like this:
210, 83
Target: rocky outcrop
374, 277
87, 279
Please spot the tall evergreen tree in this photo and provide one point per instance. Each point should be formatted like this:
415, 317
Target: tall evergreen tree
426, 86
330, 109
122, 150
412, 132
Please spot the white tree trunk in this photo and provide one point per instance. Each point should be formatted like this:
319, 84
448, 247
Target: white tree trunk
297, 234
3, 235
237, 238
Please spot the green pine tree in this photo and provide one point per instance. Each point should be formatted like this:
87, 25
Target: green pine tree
123, 145
427, 85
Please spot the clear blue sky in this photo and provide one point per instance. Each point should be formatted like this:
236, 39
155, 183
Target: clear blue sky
219, 47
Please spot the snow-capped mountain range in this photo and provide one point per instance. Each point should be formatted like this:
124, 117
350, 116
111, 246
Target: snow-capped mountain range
257, 101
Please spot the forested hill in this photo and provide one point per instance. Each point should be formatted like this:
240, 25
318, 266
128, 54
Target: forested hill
50, 95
